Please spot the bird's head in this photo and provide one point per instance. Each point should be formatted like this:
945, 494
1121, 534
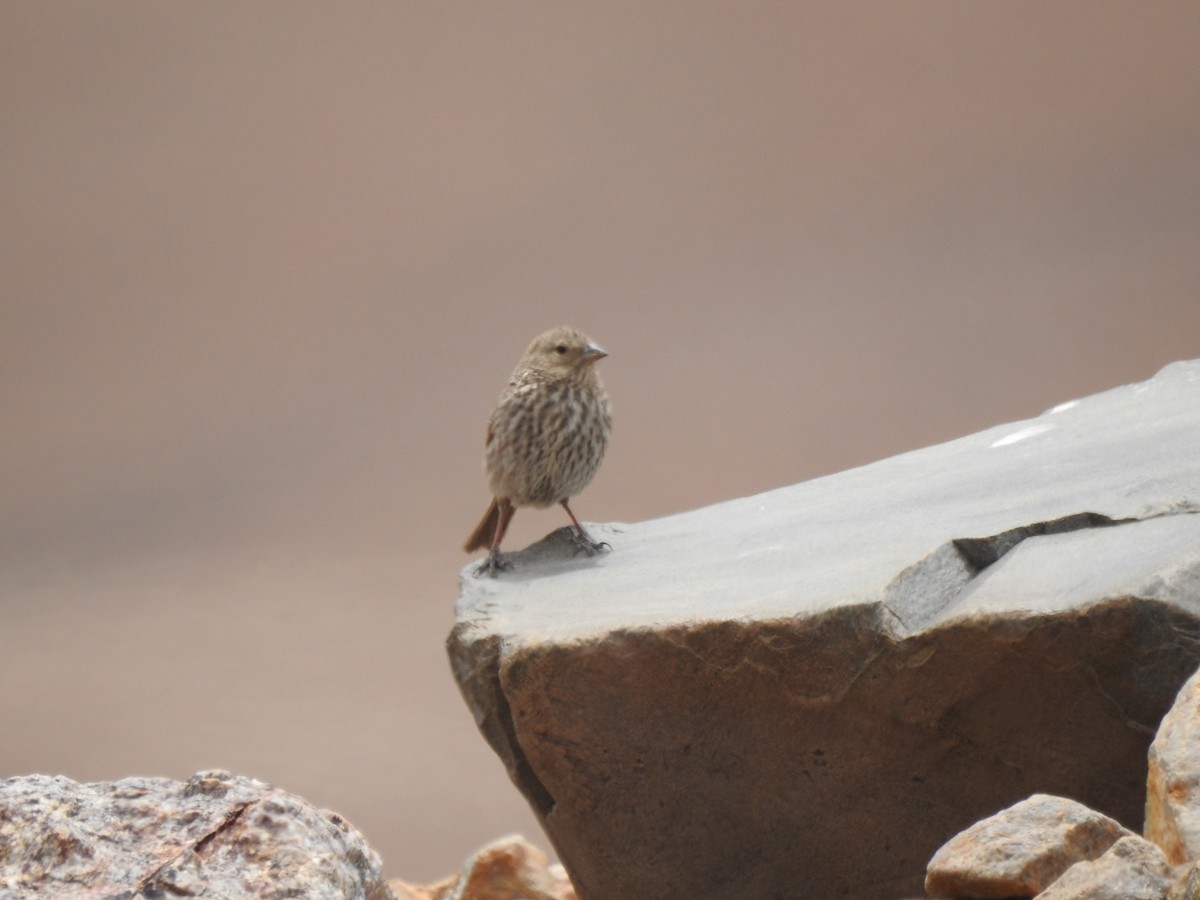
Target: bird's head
563, 352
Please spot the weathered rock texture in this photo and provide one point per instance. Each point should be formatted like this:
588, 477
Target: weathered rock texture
215, 835
805, 693
1022, 850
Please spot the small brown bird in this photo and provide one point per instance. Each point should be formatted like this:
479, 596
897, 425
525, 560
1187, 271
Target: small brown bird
545, 439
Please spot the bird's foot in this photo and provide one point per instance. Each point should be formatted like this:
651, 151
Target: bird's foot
491, 566
584, 544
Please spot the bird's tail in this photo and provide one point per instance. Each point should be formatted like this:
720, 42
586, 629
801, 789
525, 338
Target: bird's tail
485, 531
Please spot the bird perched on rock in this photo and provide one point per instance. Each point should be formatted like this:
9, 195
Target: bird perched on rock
546, 437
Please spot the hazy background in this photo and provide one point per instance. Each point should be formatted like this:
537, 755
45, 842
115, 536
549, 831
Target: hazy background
266, 267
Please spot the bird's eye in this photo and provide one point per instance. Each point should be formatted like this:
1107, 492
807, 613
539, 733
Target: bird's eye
561, 349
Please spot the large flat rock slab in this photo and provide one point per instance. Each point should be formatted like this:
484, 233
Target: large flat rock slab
806, 692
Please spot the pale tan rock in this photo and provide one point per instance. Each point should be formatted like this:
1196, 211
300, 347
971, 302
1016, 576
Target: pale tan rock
510, 868
215, 835
1022, 850
1173, 784
563, 889
1131, 869
1185, 883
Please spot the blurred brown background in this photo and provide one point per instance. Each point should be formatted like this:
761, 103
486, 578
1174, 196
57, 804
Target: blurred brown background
265, 268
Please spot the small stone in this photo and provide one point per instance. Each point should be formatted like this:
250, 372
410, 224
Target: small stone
1132, 869
1185, 884
1020, 851
510, 868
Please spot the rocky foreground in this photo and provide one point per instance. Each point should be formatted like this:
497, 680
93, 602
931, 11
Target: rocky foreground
220, 835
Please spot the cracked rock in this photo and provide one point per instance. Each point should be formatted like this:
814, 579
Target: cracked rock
215, 835
806, 692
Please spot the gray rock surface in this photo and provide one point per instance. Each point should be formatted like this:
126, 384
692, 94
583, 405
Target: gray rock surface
806, 692
215, 835
1022, 850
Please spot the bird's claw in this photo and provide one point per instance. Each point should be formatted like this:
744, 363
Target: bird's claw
584, 544
492, 565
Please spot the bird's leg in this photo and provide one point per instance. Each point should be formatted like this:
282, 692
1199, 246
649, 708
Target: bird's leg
495, 562
583, 542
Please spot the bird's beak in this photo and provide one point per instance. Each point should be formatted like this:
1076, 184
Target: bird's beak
594, 352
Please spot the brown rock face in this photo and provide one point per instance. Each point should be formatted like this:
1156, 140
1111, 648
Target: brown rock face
805, 693
215, 835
